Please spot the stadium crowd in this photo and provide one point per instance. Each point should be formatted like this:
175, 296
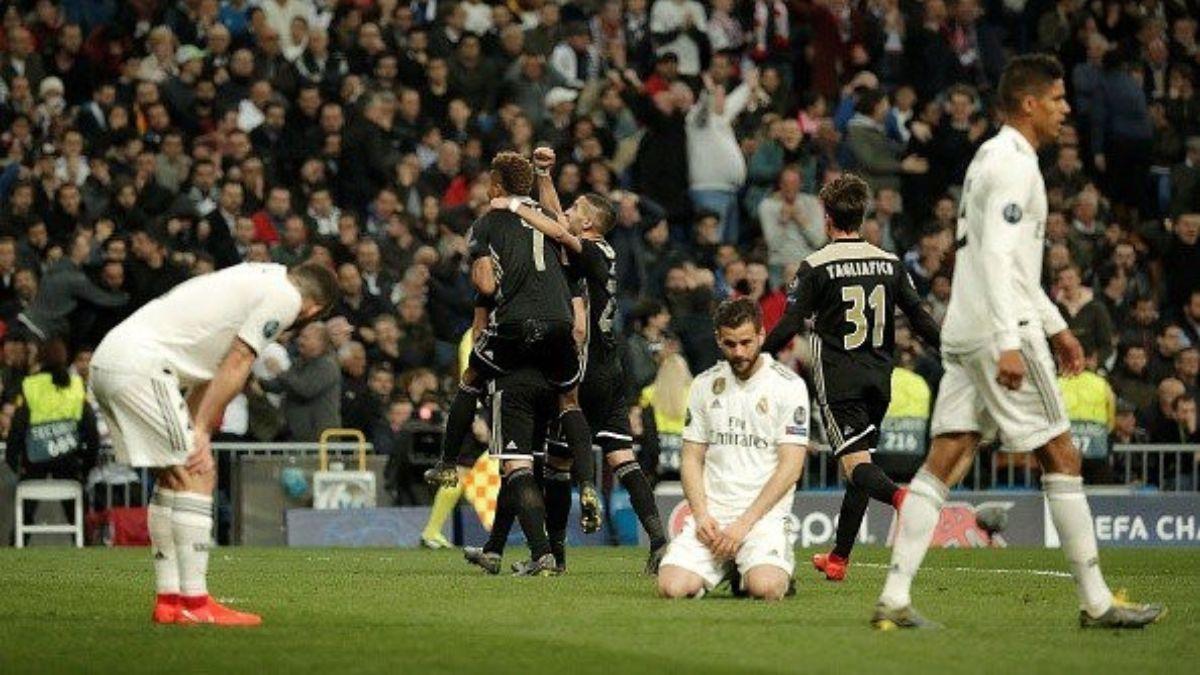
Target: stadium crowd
145, 142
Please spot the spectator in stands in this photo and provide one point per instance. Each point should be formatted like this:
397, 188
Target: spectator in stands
1126, 431
714, 183
1185, 181
311, 386
793, 223
770, 299
665, 399
660, 170
153, 273
293, 247
1160, 421
374, 158
677, 26
1086, 317
1121, 132
352, 357
1168, 343
1131, 378
1190, 321
1185, 420
355, 304
1180, 258
1187, 366
879, 160
63, 288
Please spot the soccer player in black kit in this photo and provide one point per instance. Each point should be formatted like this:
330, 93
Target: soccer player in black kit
851, 290
581, 230
530, 323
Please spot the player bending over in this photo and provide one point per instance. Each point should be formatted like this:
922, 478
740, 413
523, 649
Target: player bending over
743, 452
852, 290
999, 372
203, 336
581, 232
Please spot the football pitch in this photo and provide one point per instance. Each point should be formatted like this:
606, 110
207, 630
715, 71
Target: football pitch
367, 611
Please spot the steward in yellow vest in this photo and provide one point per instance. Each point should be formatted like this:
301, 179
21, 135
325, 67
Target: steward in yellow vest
53, 432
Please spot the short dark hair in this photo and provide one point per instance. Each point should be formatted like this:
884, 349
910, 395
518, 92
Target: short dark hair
868, 100
845, 199
737, 311
605, 214
1027, 75
317, 283
514, 173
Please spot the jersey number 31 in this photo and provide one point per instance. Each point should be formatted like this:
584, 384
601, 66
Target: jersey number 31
856, 315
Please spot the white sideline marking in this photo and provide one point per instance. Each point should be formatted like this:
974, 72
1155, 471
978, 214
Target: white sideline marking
1036, 573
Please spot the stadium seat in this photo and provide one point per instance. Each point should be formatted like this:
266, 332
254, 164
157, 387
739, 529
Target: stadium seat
49, 491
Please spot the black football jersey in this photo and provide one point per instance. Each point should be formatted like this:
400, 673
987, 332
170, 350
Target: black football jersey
531, 277
850, 290
596, 265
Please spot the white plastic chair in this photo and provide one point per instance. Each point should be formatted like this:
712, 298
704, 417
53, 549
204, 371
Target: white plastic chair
49, 491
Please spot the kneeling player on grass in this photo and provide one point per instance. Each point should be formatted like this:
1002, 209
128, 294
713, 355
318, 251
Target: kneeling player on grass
204, 335
743, 452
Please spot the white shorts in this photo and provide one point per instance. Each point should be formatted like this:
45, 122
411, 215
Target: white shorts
970, 399
771, 541
147, 416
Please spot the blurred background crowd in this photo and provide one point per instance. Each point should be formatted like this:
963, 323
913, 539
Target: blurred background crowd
147, 141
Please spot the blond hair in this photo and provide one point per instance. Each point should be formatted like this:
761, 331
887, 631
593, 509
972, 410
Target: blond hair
671, 386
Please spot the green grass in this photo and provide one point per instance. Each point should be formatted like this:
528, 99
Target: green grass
341, 611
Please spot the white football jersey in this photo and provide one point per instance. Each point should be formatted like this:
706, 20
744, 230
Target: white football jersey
190, 329
996, 291
743, 423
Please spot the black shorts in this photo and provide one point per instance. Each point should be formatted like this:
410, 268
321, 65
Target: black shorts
852, 425
523, 405
546, 346
602, 398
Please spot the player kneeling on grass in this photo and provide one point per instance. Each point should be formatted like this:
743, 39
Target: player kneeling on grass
203, 336
743, 452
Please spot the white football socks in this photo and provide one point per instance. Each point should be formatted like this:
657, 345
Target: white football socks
162, 542
191, 523
1073, 519
918, 518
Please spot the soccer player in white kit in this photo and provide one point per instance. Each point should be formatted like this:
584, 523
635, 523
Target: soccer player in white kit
999, 373
743, 452
202, 336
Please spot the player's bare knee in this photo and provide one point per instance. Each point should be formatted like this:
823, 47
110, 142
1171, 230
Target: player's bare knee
619, 457
514, 464
766, 583
947, 451
673, 586
853, 459
568, 400
1060, 456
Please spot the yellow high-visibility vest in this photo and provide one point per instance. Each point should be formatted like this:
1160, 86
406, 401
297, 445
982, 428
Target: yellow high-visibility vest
910, 395
665, 423
48, 403
1089, 398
